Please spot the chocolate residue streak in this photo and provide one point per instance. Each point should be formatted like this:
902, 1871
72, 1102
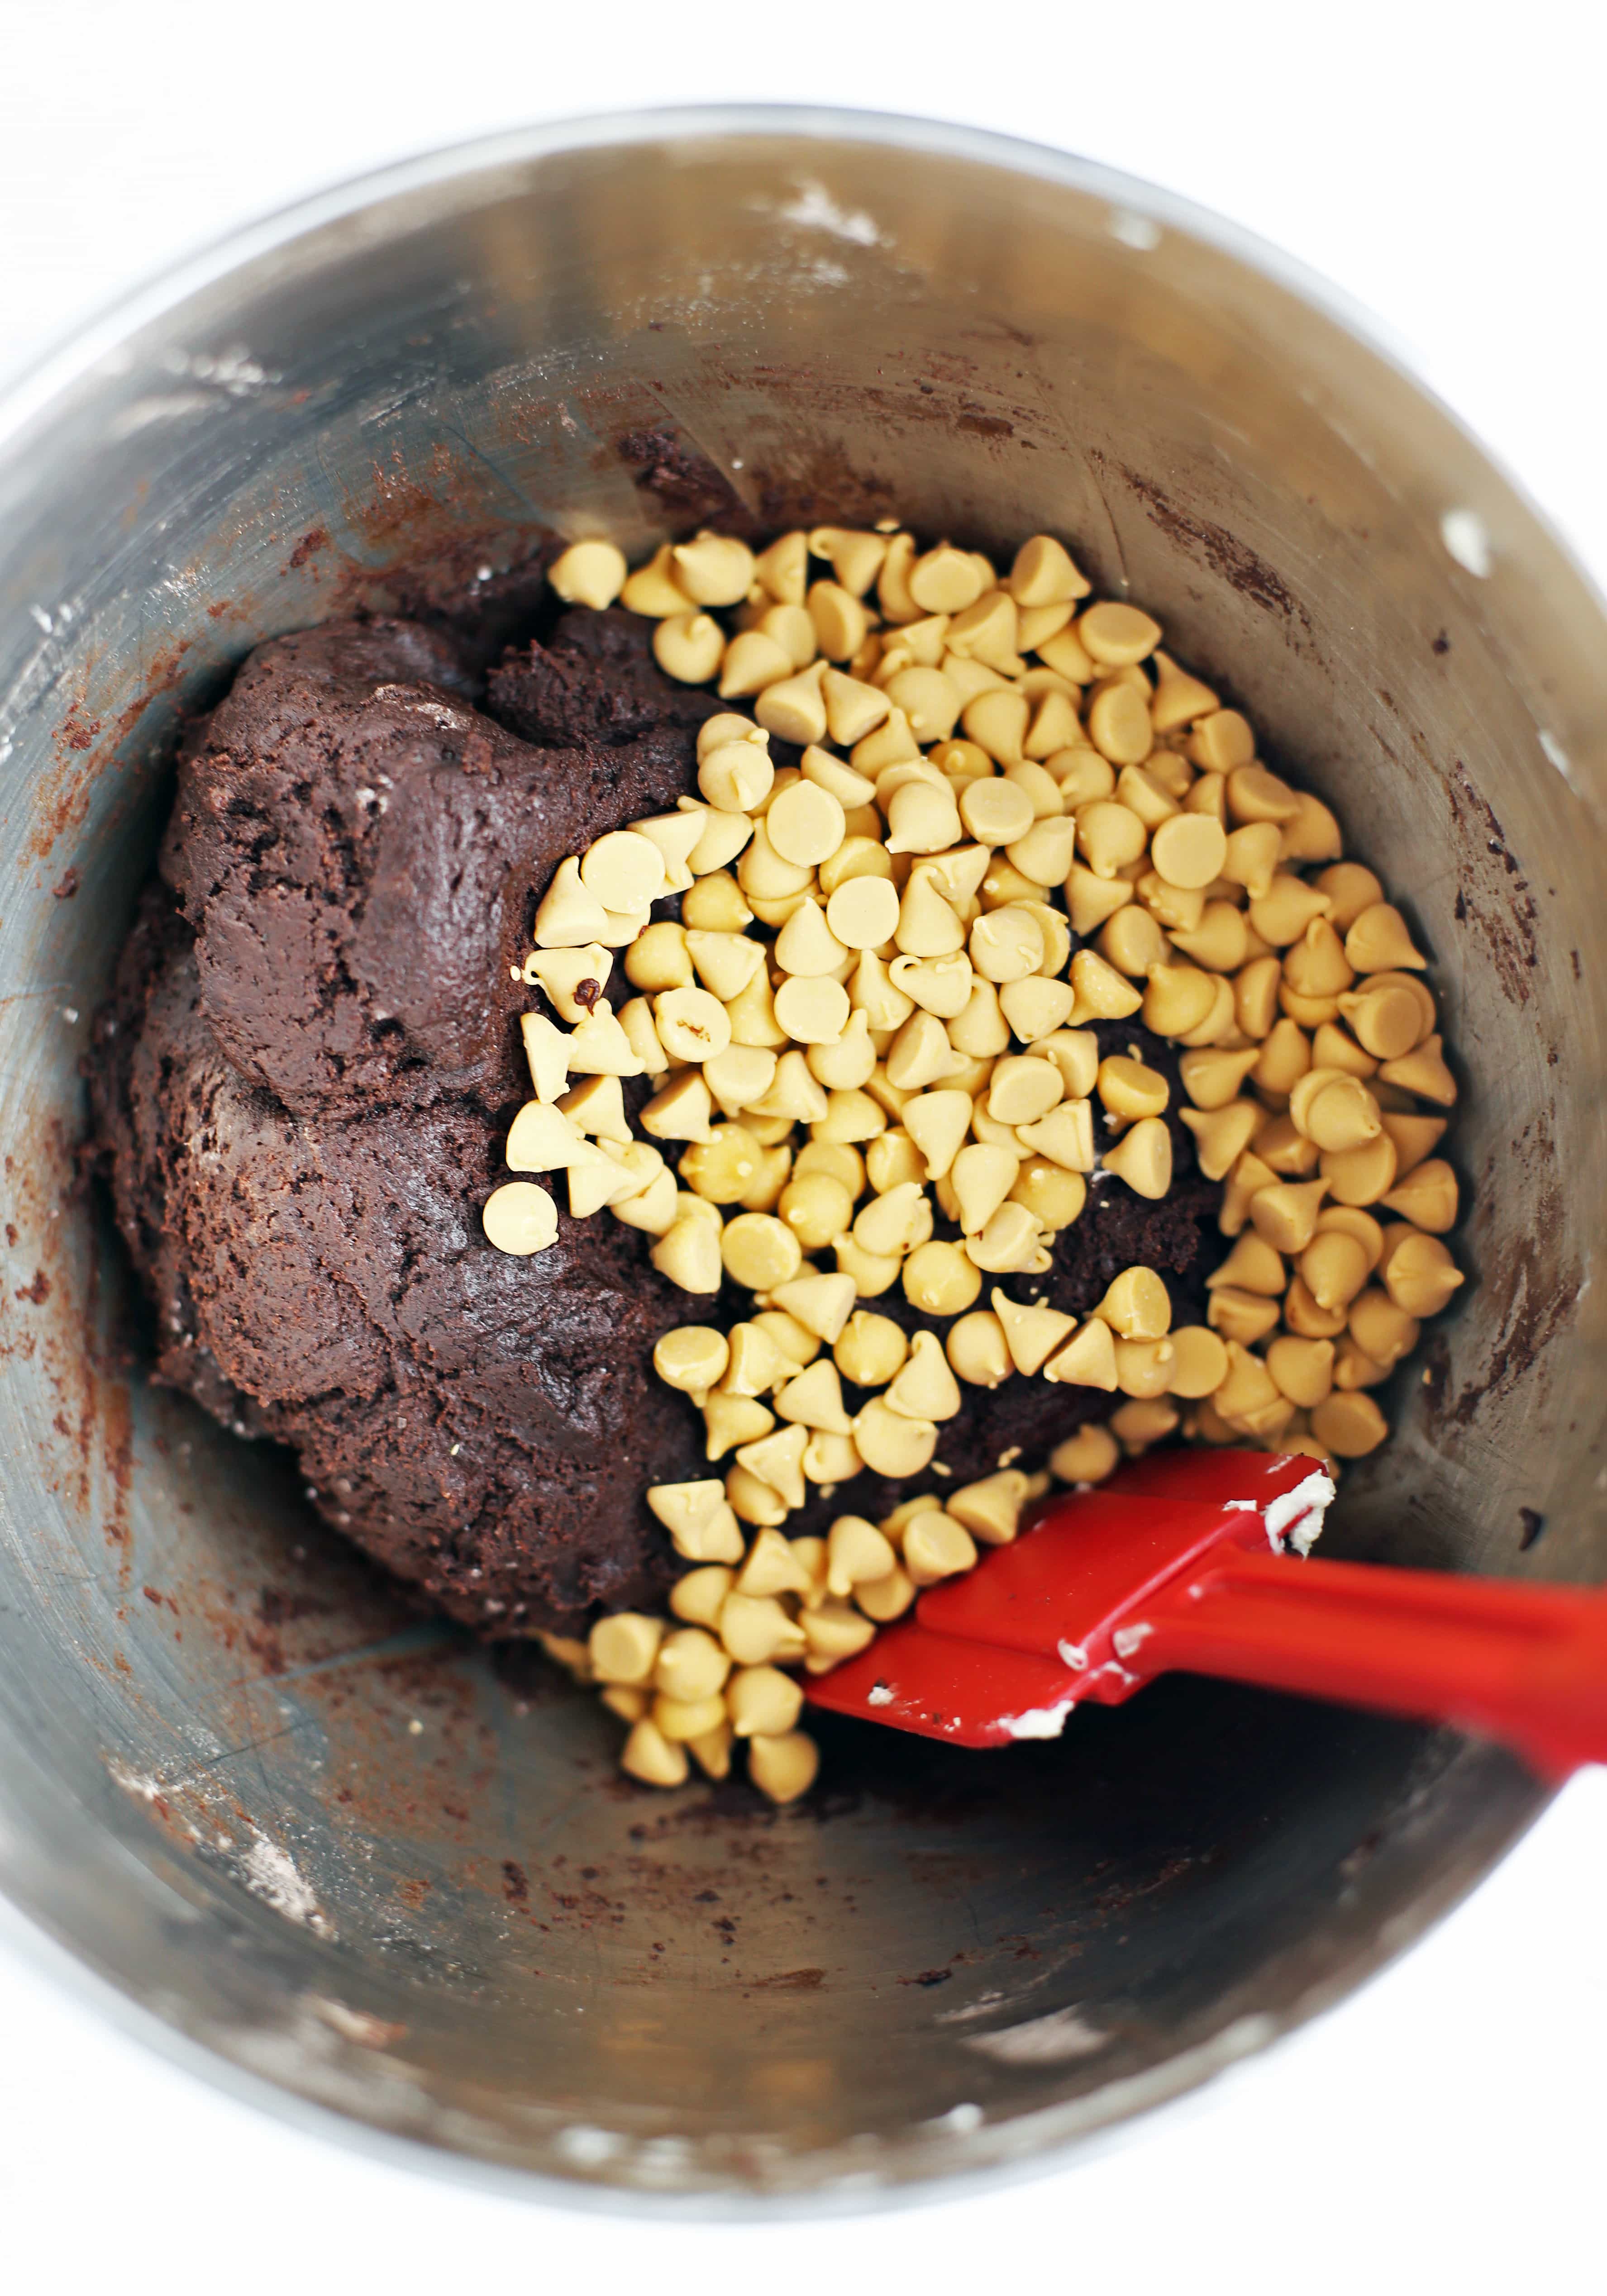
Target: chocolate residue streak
687, 486
1228, 557
1528, 1292
315, 540
1497, 903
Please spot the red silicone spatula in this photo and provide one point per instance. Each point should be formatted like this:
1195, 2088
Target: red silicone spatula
1190, 1561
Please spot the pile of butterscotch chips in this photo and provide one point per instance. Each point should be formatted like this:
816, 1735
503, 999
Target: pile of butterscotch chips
1013, 815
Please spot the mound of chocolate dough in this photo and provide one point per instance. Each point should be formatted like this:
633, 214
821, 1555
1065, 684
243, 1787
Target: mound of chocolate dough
302, 1081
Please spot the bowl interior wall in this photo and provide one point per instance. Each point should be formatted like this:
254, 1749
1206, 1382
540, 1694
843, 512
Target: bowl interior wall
340, 1847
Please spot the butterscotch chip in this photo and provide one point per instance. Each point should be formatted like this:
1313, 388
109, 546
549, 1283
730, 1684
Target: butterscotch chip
520, 1218
936, 1546
1113, 633
1143, 1158
654, 1758
624, 1648
683, 1720
693, 1359
1420, 1277
864, 912
1349, 1425
891, 1443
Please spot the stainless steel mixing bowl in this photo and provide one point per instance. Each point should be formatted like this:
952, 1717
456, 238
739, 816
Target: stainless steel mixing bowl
336, 1856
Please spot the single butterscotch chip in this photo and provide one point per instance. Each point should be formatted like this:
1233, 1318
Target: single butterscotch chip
1044, 574
1088, 1456
991, 1509
1087, 1359
687, 646
891, 1443
812, 1011
1361, 1175
893, 1161
944, 580
817, 1208
1281, 914
925, 1388
1221, 1135
896, 1222
1178, 699
939, 1280
692, 1025
1119, 725
520, 1218
1253, 1264
856, 1551
760, 1250
1022, 1089
1033, 1334
1054, 1196
755, 1630
1044, 856
1424, 1073
693, 1359
1419, 1275
1137, 1306
1199, 1362
1288, 1153
1143, 1158
1128, 1088
722, 1168
783, 1767
688, 1254
864, 912
1350, 1424
1383, 1330
730, 1419
839, 618
589, 574
624, 1648
763, 1702
1242, 1316
805, 823
1144, 1367
713, 569
1334, 1266
1140, 1424
1113, 633
977, 1350
936, 1547
1427, 1197
1333, 1111
654, 1758
1302, 1370
870, 1348
1351, 888
1285, 1215
1189, 850
691, 1665
1222, 740
1377, 941
814, 1399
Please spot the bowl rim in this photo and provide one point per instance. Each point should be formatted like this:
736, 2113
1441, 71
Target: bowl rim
32, 389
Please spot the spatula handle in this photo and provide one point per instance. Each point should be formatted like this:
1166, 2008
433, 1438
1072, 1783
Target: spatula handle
1523, 1664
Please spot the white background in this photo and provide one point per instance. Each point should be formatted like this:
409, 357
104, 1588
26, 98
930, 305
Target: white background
1442, 163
